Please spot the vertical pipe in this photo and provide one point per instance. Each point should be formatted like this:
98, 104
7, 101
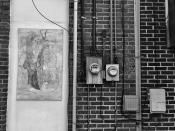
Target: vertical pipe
94, 28
137, 58
111, 29
115, 24
112, 59
103, 44
124, 46
82, 41
75, 64
88, 109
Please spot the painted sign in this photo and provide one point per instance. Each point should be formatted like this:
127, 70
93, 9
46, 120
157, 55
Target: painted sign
39, 64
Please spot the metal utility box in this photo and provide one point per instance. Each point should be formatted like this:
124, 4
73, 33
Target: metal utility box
130, 103
157, 101
94, 70
112, 72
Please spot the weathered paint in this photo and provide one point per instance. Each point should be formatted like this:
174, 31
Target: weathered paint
37, 115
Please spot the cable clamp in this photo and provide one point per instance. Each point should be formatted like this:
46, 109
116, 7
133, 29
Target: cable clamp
84, 18
94, 17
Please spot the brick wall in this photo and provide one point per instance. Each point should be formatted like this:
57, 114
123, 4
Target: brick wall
157, 68
96, 105
4, 42
158, 65
97, 112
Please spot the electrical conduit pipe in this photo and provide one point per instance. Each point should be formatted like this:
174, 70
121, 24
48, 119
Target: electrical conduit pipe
75, 65
111, 30
137, 60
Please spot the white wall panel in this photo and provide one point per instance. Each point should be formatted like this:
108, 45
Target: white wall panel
36, 115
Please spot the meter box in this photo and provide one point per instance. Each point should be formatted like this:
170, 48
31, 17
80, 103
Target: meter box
112, 72
130, 103
94, 73
157, 101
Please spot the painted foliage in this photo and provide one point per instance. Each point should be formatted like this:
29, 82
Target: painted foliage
39, 64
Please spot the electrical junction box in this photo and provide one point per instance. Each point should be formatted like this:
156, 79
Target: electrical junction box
112, 72
94, 74
157, 101
130, 103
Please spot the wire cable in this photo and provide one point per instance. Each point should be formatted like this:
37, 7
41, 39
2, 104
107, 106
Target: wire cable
101, 102
82, 57
48, 18
123, 69
115, 26
88, 108
115, 106
111, 29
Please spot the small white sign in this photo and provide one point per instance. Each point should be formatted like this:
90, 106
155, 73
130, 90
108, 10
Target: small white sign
157, 101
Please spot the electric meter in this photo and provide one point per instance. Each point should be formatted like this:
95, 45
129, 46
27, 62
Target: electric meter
112, 72
94, 68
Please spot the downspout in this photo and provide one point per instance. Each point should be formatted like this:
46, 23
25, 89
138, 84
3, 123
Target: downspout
137, 60
75, 64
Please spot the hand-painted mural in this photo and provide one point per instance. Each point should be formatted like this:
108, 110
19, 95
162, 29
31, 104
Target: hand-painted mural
39, 64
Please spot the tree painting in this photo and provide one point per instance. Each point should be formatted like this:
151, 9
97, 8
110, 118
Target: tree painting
39, 64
